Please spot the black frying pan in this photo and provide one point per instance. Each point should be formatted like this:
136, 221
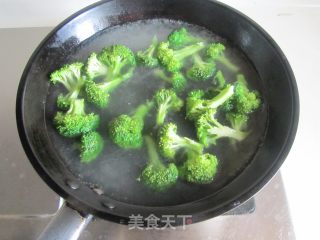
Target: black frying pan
34, 111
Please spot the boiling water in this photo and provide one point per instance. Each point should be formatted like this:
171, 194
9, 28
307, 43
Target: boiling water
116, 170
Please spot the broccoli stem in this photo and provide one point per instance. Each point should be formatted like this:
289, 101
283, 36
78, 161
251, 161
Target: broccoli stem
116, 68
188, 51
241, 79
162, 112
72, 95
111, 85
115, 72
142, 111
192, 39
160, 73
75, 92
184, 142
152, 48
152, 153
65, 83
224, 95
226, 62
191, 145
198, 60
224, 131
220, 79
177, 80
238, 124
77, 107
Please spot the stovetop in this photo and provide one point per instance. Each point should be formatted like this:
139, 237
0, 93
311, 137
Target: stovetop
27, 204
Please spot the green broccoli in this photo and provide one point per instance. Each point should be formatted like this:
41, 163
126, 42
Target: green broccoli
215, 51
220, 80
240, 78
219, 83
181, 37
75, 121
117, 57
177, 80
201, 70
241, 104
166, 100
209, 130
170, 142
99, 93
171, 59
147, 57
70, 76
116, 64
91, 146
196, 105
156, 174
237, 120
199, 169
110, 62
95, 67
126, 131
196, 94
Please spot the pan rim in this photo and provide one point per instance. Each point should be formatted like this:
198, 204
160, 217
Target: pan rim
214, 211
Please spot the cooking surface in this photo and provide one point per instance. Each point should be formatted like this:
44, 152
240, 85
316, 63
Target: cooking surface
27, 204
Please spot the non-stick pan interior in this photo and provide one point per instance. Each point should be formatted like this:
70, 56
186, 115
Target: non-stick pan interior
115, 172
108, 186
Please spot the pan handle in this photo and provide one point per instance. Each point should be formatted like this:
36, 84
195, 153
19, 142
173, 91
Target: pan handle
67, 224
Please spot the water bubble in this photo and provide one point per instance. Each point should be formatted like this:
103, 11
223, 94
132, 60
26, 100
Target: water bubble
73, 184
108, 205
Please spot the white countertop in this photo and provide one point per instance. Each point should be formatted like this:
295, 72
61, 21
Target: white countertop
295, 26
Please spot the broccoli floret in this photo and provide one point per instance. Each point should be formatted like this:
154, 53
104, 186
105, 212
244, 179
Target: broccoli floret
170, 142
215, 51
237, 120
126, 131
94, 67
241, 104
181, 37
172, 59
201, 70
176, 79
116, 64
117, 57
196, 105
156, 174
99, 93
70, 76
209, 130
148, 57
196, 94
91, 146
219, 83
199, 169
75, 121
166, 100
